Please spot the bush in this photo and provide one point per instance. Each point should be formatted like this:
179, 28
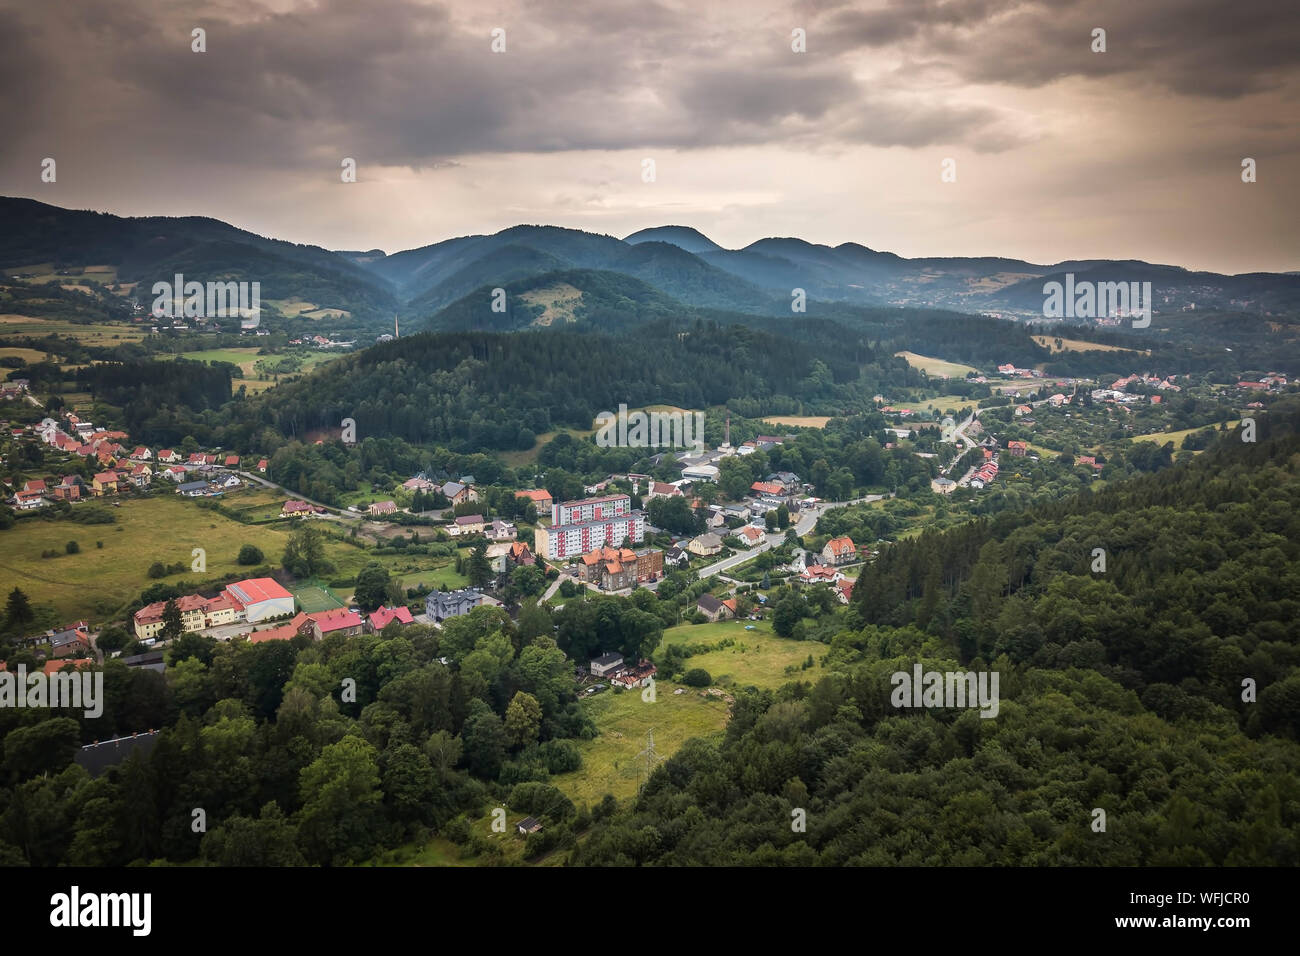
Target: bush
560, 756
250, 555
697, 677
72, 547
157, 570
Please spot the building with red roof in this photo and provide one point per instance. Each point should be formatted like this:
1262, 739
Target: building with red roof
380, 618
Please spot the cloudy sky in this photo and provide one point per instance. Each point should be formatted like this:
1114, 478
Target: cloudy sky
1060, 152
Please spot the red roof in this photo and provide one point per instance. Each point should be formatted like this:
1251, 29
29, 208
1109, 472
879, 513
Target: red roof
256, 590
383, 616
285, 632
842, 545
534, 494
53, 667
767, 488
338, 619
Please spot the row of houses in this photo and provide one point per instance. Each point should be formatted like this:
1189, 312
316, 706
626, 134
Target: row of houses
340, 621
495, 530
457, 492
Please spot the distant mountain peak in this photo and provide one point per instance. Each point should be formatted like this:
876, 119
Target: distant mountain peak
684, 237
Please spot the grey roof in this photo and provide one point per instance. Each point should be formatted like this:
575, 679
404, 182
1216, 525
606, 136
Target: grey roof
709, 602
98, 757
605, 660
192, 486
452, 488
64, 637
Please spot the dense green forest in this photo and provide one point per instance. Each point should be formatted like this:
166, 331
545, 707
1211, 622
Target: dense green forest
300, 752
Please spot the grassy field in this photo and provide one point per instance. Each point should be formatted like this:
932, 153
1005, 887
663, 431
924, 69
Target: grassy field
247, 360
940, 404
27, 355
90, 334
1077, 345
98, 581
1178, 436
437, 852
610, 763
557, 301
798, 421
937, 366
758, 658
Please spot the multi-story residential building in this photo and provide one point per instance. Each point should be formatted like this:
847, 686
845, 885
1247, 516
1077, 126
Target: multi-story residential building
579, 527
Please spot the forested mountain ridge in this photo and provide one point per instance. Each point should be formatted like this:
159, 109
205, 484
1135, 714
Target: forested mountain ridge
761, 278
155, 248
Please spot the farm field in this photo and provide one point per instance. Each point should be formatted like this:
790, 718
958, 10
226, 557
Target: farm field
798, 421
27, 355
937, 366
90, 334
940, 404
1077, 345
247, 359
1178, 436
610, 763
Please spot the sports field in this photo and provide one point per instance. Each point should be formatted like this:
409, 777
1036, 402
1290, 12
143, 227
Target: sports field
314, 597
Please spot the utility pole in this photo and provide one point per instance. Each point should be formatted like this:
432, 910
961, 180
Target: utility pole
651, 757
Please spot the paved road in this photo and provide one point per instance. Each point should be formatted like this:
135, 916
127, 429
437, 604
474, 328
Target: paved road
807, 521
332, 512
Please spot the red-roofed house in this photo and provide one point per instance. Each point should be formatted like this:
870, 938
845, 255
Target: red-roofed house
105, 483
261, 465
338, 621
767, 488
36, 484
142, 453
520, 554
54, 666
845, 589
820, 574
1018, 449
382, 617
232, 461
540, 497
662, 489
750, 535
300, 509
301, 624
839, 550
168, 456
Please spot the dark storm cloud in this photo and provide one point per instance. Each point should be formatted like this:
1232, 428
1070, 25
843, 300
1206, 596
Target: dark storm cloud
407, 83
1195, 47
